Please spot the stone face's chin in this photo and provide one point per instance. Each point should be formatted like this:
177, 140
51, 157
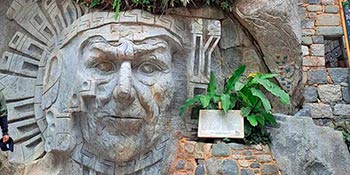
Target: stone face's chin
119, 139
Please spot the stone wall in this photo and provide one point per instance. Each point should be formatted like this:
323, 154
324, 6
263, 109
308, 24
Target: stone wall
207, 158
326, 93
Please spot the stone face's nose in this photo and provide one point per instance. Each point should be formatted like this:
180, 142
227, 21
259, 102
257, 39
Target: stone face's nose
124, 92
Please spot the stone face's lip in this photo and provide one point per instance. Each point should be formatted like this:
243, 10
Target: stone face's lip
122, 117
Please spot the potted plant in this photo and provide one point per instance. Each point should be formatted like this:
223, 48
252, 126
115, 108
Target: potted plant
246, 95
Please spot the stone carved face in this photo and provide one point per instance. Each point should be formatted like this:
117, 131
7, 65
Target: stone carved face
133, 91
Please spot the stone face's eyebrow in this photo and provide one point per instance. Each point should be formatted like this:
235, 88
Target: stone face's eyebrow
149, 46
151, 49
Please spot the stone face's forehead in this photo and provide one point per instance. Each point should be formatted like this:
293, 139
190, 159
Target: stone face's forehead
175, 26
131, 32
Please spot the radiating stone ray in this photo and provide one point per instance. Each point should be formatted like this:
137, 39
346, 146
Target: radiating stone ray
16, 87
21, 65
21, 77
28, 150
32, 19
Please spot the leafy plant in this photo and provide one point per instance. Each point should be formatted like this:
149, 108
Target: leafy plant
153, 6
212, 98
247, 95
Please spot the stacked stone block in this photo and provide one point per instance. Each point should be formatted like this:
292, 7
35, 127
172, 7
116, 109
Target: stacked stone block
207, 158
319, 19
326, 91
326, 95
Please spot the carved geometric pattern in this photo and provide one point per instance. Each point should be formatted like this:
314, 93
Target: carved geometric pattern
22, 84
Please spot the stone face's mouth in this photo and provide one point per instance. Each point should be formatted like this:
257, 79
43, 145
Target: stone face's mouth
123, 117
120, 125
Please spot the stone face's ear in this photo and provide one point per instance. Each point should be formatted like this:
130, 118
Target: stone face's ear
51, 79
59, 136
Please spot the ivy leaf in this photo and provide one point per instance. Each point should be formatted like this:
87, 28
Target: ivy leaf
205, 100
188, 103
252, 120
226, 102
234, 78
274, 89
262, 97
212, 85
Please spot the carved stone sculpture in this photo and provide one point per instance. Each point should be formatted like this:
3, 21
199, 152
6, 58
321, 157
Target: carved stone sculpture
89, 94
100, 91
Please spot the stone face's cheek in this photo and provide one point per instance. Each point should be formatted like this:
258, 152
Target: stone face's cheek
162, 91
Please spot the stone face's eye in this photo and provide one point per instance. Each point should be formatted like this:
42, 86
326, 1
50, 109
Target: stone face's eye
149, 68
105, 67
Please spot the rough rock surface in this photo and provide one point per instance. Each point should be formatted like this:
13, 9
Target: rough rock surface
9, 168
303, 148
276, 23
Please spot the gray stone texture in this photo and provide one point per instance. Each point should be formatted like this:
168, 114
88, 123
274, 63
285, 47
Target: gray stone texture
258, 17
300, 147
346, 93
247, 172
327, 20
229, 167
269, 169
219, 166
255, 165
307, 32
328, 2
339, 75
236, 146
317, 50
308, 24
331, 9
305, 50
317, 76
341, 109
329, 93
312, 15
305, 111
318, 39
200, 170
302, 12
334, 31
8, 168
314, 8
264, 158
313, 1
310, 94
319, 110
221, 150
307, 40
230, 34
180, 165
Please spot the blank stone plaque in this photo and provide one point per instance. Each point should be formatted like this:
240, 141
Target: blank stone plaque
218, 124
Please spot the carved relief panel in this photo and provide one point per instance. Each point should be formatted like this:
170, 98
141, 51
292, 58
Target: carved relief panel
101, 91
